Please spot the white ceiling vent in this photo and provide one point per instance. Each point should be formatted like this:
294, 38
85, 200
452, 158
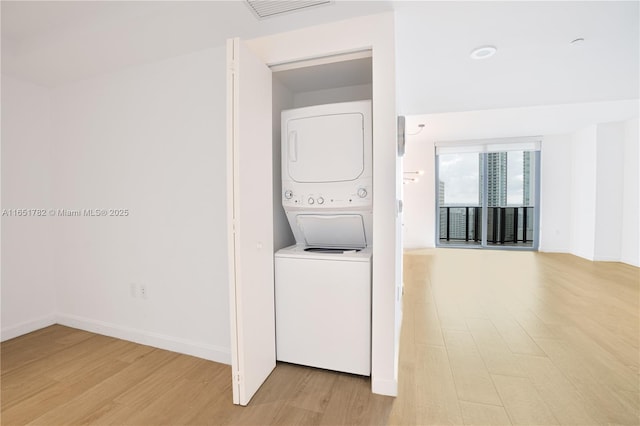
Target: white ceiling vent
269, 8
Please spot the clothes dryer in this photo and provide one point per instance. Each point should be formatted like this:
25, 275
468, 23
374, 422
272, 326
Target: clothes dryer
327, 174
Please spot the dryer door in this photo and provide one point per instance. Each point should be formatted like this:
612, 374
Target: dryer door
325, 148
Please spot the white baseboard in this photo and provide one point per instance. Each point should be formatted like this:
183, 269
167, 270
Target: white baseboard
583, 255
596, 258
26, 327
630, 261
384, 387
606, 259
161, 341
553, 250
417, 247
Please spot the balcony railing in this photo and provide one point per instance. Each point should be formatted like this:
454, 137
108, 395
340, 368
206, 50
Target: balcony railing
505, 225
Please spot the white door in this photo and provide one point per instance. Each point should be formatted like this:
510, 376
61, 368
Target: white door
250, 205
326, 148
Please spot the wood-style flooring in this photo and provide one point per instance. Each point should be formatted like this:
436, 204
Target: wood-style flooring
496, 337
489, 337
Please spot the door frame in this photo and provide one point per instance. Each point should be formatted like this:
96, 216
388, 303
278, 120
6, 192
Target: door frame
375, 33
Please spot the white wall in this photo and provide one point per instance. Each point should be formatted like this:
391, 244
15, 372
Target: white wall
419, 197
149, 139
609, 191
359, 92
583, 192
604, 212
630, 244
555, 199
282, 234
28, 295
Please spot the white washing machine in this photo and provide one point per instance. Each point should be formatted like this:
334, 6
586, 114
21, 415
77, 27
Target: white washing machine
323, 308
323, 283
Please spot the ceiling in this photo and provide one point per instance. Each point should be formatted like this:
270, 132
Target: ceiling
539, 120
330, 75
535, 64
52, 43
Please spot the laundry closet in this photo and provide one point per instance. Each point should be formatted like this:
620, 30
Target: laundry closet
325, 177
320, 229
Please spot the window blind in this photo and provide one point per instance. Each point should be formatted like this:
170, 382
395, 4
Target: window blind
529, 143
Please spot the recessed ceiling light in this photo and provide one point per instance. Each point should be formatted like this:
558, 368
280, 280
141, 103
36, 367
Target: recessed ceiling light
483, 52
577, 41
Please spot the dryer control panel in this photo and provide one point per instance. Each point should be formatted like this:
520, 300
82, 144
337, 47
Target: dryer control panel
357, 197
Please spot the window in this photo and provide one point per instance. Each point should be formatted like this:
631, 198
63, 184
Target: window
487, 193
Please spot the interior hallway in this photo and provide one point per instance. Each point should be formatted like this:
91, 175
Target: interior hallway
489, 337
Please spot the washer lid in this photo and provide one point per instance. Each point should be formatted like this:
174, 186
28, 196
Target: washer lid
341, 231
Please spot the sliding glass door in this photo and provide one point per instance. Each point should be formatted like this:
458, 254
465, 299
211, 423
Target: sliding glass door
460, 199
487, 194
510, 199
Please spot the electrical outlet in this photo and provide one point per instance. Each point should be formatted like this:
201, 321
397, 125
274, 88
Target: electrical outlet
143, 291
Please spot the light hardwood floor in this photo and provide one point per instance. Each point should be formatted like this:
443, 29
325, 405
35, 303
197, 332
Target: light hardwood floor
495, 337
489, 337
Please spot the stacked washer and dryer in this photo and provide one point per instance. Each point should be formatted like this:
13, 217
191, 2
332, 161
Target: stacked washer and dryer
323, 282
